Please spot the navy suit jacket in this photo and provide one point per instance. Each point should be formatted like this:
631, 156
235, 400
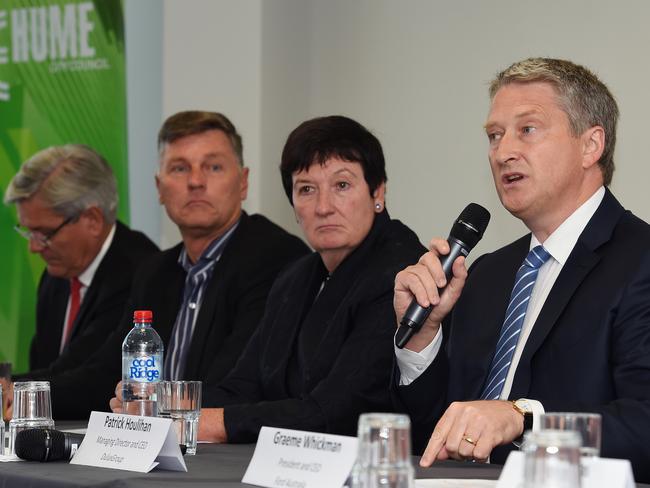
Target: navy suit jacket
588, 351
100, 311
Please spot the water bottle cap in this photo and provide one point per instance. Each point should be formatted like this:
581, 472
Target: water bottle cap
142, 316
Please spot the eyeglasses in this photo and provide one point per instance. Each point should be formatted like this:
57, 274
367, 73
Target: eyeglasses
42, 238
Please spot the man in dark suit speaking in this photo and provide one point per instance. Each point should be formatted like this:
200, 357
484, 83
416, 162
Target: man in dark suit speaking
559, 320
66, 198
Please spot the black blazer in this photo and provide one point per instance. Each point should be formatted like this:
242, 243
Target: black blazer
100, 311
588, 351
317, 365
232, 307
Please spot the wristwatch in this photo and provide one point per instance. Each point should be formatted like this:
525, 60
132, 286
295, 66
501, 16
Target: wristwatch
524, 407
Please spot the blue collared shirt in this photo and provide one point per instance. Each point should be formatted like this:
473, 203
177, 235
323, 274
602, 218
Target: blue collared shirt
196, 281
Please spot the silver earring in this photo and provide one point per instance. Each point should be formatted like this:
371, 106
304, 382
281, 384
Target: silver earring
378, 206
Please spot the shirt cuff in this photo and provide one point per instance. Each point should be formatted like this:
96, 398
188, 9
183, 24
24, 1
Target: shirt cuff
412, 364
538, 409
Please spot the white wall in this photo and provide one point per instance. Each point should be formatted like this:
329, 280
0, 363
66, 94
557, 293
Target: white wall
286, 95
212, 61
415, 73
143, 34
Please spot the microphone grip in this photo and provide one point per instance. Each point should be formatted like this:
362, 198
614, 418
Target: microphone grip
413, 319
415, 314
72, 443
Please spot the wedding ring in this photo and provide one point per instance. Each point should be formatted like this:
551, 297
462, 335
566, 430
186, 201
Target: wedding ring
470, 440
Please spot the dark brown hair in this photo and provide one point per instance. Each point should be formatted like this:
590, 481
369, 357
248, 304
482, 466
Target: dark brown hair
193, 122
319, 139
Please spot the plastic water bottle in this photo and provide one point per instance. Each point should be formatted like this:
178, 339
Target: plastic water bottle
142, 366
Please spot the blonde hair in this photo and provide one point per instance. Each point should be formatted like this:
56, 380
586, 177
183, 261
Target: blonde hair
585, 99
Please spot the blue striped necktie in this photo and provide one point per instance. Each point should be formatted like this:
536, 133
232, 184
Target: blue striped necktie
511, 328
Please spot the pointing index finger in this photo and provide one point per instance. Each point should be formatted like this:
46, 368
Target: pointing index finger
436, 442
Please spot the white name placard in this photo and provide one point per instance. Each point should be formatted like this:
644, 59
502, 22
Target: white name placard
130, 443
299, 459
597, 472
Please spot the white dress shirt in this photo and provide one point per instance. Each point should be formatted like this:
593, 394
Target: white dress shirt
559, 245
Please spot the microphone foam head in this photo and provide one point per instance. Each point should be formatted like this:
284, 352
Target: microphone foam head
471, 224
40, 445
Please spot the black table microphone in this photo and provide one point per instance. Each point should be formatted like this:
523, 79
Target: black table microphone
51, 445
467, 230
46, 445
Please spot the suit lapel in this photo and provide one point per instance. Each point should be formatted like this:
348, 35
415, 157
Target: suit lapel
104, 274
577, 267
213, 300
581, 261
60, 301
165, 295
287, 329
320, 335
318, 316
206, 320
473, 358
169, 300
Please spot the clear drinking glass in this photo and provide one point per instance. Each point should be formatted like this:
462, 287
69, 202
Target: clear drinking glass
32, 408
2, 426
552, 459
384, 452
5, 371
181, 401
5, 382
588, 426
139, 398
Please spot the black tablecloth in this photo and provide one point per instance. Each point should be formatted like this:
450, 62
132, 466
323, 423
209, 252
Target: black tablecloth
213, 466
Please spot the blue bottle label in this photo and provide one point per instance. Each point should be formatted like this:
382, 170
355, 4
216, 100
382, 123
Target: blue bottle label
144, 368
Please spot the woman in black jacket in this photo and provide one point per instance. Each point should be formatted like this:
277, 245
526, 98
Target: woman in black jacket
323, 352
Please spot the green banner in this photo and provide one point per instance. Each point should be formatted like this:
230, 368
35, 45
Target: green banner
62, 80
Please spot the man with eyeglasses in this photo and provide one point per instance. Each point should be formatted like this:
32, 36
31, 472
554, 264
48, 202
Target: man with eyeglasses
66, 201
43, 238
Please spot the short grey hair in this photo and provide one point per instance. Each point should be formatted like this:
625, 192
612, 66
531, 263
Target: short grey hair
584, 98
69, 179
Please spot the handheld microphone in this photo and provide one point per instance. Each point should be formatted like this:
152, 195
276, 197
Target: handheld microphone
46, 445
467, 230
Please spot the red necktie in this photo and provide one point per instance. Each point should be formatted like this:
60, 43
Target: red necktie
75, 302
